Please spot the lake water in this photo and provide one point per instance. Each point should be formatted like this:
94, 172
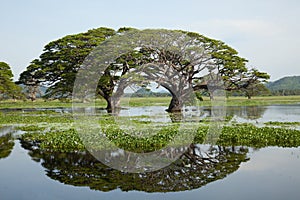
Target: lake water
233, 172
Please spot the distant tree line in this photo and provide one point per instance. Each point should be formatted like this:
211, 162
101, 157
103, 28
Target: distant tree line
146, 92
285, 86
284, 92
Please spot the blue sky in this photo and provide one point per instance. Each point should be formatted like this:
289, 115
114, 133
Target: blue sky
266, 32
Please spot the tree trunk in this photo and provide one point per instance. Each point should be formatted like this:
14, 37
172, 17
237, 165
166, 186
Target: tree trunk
33, 95
33, 90
248, 95
175, 105
211, 96
109, 106
113, 105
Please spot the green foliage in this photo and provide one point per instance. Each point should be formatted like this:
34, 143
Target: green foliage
8, 89
58, 64
255, 89
31, 78
60, 61
199, 96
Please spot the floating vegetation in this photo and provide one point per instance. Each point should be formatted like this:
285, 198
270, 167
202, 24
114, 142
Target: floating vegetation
249, 135
29, 128
276, 123
237, 135
63, 141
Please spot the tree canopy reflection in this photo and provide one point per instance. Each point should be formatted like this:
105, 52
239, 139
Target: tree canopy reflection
247, 112
194, 169
6, 145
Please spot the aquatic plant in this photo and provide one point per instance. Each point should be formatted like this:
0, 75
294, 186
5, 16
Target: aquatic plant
249, 135
276, 123
237, 135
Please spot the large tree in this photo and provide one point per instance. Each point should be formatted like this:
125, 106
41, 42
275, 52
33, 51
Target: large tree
225, 69
8, 89
184, 53
174, 59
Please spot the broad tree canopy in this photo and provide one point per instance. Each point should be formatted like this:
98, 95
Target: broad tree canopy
189, 54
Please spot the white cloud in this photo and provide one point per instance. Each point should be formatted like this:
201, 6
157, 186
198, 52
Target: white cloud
227, 28
270, 45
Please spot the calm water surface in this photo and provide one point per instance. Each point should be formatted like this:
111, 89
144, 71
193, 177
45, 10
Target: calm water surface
232, 173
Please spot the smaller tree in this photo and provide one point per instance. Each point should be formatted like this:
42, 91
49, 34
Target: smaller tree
256, 89
8, 89
32, 78
252, 84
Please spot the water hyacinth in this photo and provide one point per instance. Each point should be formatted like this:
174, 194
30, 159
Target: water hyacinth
238, 135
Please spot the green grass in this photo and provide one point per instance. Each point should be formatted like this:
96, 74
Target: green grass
256, 101
155, 101
36, 104
146, 101
15, 118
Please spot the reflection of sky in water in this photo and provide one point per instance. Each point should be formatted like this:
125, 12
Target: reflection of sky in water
158, 113
252, 114
271, 173
284, 113
281, 113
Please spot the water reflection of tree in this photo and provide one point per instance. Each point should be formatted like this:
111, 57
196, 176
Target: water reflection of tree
246, 112
6, 145
194, 169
